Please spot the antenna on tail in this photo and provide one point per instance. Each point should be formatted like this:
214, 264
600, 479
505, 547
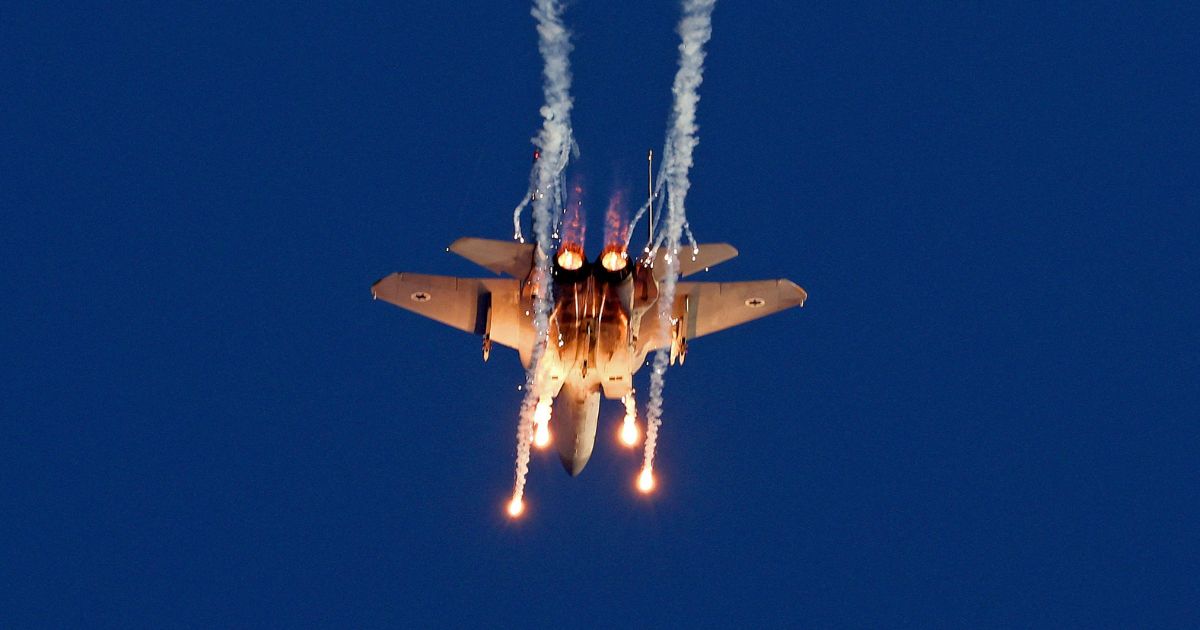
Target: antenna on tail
650, 202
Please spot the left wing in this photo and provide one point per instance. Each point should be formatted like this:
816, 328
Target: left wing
475, 305
708, 307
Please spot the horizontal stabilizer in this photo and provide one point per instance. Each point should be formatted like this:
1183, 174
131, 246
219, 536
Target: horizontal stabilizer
502, 257
707, 255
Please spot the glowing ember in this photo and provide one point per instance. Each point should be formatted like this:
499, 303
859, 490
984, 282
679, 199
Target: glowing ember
570, 257
629, 432
645, 481
614, 258
516, 507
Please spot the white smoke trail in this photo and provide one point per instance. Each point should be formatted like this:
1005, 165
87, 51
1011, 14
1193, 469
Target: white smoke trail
629, 432
695, 29
691, 239
529, 195
555, 144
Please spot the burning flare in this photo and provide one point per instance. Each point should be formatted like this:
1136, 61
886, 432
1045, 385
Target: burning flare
629, 433
541, 438
695, 29
645, 481
541, 422
570, 256
629, 430
516, 507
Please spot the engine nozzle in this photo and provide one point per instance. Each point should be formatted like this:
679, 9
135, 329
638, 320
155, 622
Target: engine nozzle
570, 256
614, 258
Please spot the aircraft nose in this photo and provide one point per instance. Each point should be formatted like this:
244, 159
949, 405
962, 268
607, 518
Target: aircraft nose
574, 465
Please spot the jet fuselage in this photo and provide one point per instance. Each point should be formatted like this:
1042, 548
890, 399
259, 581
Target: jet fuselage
605, 316
592, 345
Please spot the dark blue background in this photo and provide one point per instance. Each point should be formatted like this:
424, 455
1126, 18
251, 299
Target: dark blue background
985, 416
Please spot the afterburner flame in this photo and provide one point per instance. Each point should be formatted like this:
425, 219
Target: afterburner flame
570, 256
516, 507
645, 482
614, 258
574, 221
616, 219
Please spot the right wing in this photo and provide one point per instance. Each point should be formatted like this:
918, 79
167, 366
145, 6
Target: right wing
715, 306
502, 257
464, 303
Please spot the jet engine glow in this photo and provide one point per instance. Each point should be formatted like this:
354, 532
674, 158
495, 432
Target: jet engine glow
614, 258
584, 328
570, 256
604, 321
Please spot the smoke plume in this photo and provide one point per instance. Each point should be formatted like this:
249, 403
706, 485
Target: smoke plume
695, 29
554, 143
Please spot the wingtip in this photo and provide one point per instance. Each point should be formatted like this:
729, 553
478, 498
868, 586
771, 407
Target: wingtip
379, 289
796, 290
730, 251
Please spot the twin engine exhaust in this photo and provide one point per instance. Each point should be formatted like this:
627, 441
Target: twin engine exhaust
571, 264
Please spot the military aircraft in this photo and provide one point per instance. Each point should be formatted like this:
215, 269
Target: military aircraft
603, 323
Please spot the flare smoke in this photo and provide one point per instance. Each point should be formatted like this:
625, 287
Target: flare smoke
554, 143
695, 29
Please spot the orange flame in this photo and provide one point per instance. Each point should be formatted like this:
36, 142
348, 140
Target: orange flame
570, 256
645, 482
629, 433
614, 257
574, 227
616, 220
516, 507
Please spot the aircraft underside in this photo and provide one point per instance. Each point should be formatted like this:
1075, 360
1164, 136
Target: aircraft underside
604, 321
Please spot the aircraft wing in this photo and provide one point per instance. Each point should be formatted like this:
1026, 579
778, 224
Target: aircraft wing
715, 306
464, 303
502, 257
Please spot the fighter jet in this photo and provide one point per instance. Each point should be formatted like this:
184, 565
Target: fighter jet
603, 323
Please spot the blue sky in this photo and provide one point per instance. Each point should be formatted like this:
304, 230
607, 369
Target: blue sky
985, 416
